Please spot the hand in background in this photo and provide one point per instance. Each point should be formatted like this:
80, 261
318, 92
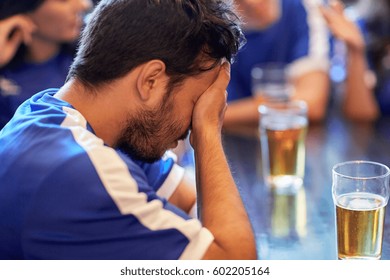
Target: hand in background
359, 102
258, 14
14, 31
341, 27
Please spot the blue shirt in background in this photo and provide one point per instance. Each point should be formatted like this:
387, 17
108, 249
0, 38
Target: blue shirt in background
299, 38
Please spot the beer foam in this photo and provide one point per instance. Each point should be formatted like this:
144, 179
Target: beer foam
363, 204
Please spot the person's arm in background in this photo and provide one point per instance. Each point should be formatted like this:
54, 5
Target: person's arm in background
241, 113
313, 88
221, 209
13, 31
359, 101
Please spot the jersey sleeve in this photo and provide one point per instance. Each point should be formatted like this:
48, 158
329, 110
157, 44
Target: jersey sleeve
310, 40
97, 206
163, 176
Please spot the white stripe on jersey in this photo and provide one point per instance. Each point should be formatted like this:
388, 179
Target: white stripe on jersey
171, 182
318, 31
123, 189
318, 53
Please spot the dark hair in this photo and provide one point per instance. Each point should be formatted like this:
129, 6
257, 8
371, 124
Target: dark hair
123, 34
11, 7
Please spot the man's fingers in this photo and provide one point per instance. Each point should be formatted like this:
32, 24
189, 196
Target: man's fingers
223, 78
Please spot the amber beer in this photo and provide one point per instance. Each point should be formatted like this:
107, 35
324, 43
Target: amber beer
360, 219
360, 191
283, 141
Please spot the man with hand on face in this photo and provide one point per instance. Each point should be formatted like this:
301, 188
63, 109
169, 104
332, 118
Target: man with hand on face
81, 170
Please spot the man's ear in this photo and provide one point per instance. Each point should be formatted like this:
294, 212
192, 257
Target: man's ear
151, 78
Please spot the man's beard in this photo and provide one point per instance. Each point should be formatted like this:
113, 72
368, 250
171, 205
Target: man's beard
148, 134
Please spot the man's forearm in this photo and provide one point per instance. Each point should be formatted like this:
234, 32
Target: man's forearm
221, 207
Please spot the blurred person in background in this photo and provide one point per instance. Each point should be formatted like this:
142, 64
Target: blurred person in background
14, 31
37, 46
291, 32
367, 39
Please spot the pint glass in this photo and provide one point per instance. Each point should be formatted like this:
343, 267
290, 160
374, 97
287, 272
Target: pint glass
360, 192
283, 127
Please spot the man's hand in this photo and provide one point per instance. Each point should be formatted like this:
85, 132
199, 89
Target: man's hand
14, 31
210, 108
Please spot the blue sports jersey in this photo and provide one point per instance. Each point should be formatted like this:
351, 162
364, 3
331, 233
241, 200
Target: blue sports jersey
64, 194
20, 82
299, 38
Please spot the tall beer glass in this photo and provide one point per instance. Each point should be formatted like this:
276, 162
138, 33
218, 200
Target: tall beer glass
283, 127
360, 192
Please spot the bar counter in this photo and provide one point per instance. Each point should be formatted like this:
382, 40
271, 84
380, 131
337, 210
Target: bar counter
301, 225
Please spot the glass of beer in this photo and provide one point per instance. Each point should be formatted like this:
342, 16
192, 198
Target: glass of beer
270, 82
360, 192
283, 127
